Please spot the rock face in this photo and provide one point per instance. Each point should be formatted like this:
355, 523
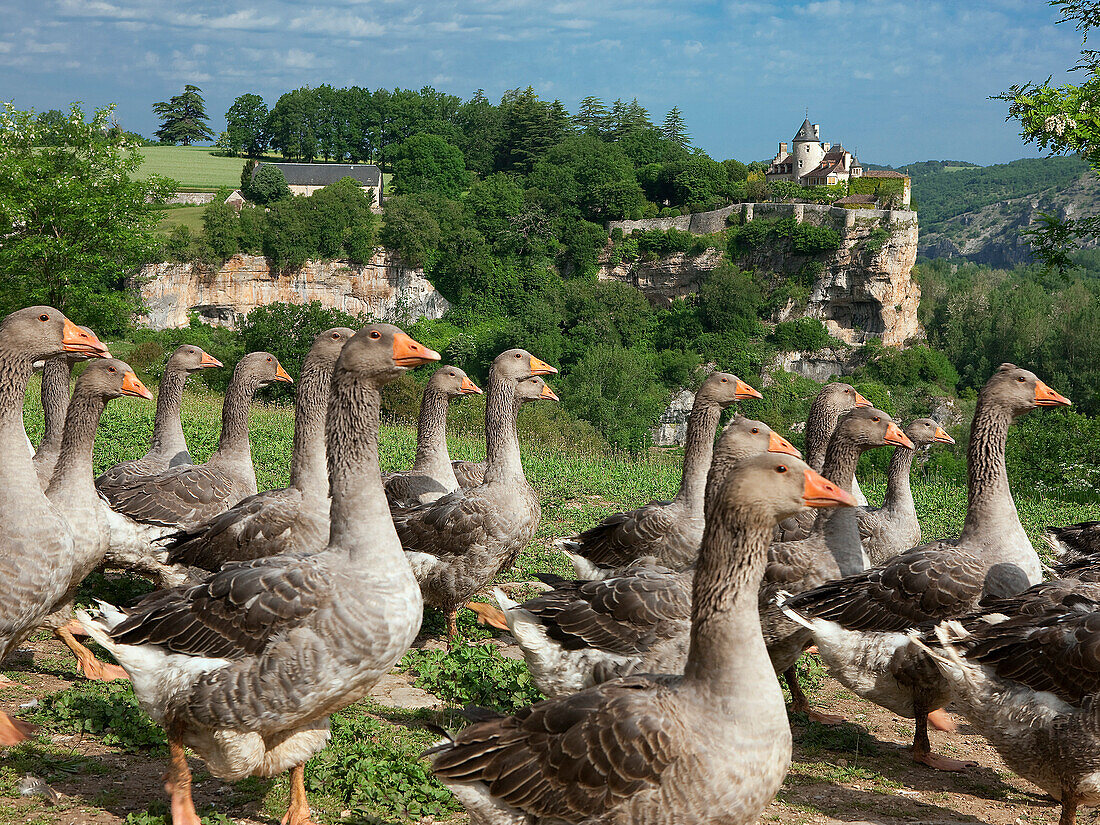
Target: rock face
862, 290
671, 429
818, 366
382, 289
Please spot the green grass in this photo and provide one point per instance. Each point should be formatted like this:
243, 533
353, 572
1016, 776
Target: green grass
192, 167
190, 216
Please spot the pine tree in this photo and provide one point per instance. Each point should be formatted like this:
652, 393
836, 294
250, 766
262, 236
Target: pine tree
593, 117
675, 129
636, 117
183, 118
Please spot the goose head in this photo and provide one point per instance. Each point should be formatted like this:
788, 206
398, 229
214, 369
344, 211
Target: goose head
189, 358
745, 437
453, 382
382, 352
258, 369
724, 388
1019, 391
42, 332
534, 389
924, 431
110, 378
517, 364
778, 486
327, 345
871, 427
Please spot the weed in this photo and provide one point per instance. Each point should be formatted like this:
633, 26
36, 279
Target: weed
108, 711
473, 675
846, 738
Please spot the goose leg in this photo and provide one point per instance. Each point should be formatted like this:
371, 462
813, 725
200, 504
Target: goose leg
14, 731
90, 666
922, 748
1069, 808
452, 624
800, 704
178, 785
75, 627
488, 615
298, 813
940, 720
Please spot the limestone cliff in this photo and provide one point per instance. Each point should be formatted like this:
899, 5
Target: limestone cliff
863, 289
383, 289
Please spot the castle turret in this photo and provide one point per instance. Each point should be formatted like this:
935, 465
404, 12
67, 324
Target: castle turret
806, 150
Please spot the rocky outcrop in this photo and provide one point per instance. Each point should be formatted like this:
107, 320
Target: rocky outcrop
382, 289
862, 290
817, 366
671, 429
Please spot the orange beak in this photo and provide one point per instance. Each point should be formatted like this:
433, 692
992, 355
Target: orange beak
408, 353
281, 374
820, 492
895, 436
1046, 397
541, 367
75, 339
743, 392
941, 436
861, 401
468, 387
210, 361
778, 444
548, 393
131, 385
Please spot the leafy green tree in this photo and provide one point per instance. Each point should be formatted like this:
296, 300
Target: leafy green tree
426, 163
75, 222
480, 127
183, 118
221, 228
292, 234
729, 300
52, 124
267, 185
292, 125
592, 117
590, 177
246, 125
409, 229
674, 128
530, 127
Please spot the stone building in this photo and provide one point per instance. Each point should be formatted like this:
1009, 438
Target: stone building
307, 178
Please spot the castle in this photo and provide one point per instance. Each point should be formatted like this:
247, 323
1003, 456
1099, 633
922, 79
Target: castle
813, 163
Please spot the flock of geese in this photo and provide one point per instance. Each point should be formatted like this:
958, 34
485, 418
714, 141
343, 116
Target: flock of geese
278, 608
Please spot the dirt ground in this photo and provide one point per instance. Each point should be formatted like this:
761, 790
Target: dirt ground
853, 773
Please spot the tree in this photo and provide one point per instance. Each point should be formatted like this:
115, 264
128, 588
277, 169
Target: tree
246, 125
426, 163
75, 223
1062, 119
592, 117
267, 185
183, 118
675, 129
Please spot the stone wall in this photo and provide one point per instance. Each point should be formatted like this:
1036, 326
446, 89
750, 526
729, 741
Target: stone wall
698, 223
705, 223
383, 289
190, 198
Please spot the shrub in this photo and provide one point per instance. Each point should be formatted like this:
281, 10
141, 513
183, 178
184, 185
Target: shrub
267, 185
803, 334
221, 229
473, 675
807, 239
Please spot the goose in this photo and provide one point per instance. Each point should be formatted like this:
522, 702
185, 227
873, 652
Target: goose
860, 623
432, 475
168, 447
291, 519
246, 668
833, 401
668, 531
148, 507
893, 527
73, 494
1029, 683
36, 545
472, 473
709, 746
582, 633
1074, 542
458, 543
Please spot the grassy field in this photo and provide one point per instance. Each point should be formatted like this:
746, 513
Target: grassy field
192, 167
190, 216
99, 750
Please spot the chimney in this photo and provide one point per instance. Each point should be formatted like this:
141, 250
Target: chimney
826, 146
817, 132
782, 149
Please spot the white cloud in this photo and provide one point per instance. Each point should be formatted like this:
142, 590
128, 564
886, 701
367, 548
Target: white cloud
692, 48
300, 59
321, 22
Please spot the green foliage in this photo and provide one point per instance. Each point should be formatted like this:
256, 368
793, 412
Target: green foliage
409, 229
803, 334
246, 125
807, 239
268, 185
107, 710
221, 229
183, 118
74, 220
427, 163
910, 367
729, 300
473, 675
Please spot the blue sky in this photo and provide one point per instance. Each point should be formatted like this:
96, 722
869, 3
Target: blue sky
896, 81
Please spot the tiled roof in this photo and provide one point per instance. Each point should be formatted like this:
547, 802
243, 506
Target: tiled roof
806, 132
856, 199
322, 174
883, 173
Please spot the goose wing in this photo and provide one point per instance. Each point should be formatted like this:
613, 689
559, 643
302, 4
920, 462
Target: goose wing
251, 529
469, 473
179, 496
235, 614
575, 758
622, 538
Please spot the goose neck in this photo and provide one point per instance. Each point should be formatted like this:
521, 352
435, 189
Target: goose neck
55, 400
990, 507
698, 452
432, 458
727, 652
841, 528
820, 427
234, 435
168, 437
899, 495
18, 479
308, 467
502, 454
73, 483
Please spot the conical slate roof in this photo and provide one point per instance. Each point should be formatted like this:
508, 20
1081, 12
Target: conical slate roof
806, 133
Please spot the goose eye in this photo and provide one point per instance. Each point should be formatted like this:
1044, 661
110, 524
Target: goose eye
269, 360
375, 334
782, 468
335, 336
847, 392
725, 380
1020, 379
110, 369
518, 355
756, 429
876, 419
43, 317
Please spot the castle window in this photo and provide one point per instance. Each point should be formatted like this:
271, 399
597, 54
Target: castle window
800, 164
